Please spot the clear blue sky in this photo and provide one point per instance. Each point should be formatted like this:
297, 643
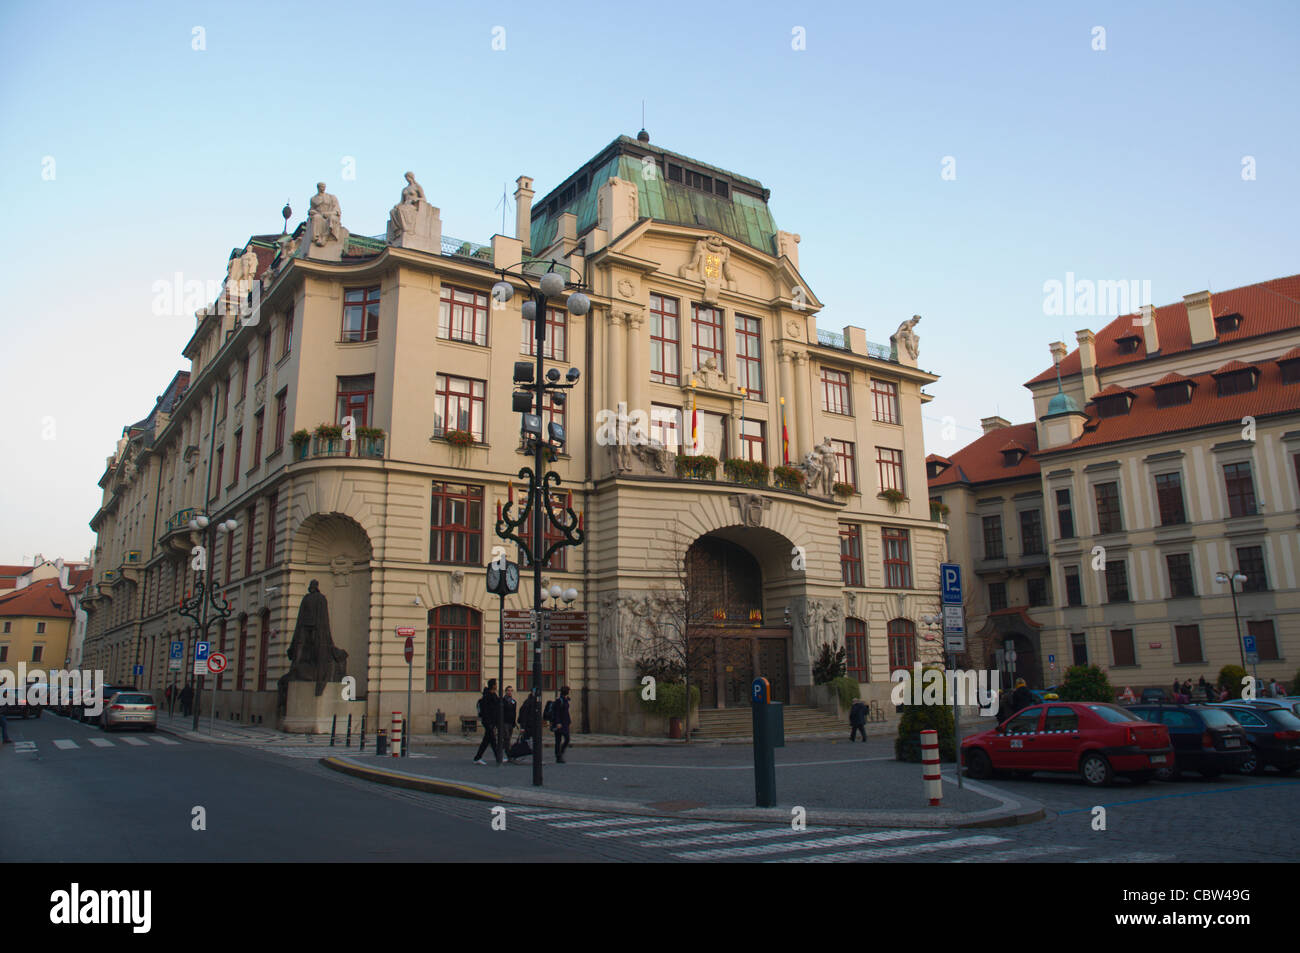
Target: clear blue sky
1116, 164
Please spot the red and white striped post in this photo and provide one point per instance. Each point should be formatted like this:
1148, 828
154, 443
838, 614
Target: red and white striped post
930, 766
395, 735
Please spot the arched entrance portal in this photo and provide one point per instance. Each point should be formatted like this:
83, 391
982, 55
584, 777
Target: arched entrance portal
729, 642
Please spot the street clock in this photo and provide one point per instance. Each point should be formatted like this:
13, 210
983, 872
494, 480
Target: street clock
503, 581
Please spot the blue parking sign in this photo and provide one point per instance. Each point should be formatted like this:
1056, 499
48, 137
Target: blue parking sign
177, 650
950, 580
1249, 642
201, 651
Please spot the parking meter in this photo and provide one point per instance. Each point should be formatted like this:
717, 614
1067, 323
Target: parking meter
769, 734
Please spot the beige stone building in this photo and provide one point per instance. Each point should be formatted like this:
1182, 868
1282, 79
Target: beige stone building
1169, 453
700, 321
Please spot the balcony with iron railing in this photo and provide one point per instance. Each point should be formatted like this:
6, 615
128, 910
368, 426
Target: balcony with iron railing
881, 352
329, 442
457, 248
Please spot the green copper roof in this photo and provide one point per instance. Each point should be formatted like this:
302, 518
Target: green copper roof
1062, 403
743, 214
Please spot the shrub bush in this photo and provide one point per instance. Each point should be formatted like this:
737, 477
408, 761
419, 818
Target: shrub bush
669, 700
829, 664
1230, 677
847, 689
299, 437
699, 467
1085, 683
918, 718
749, 472
789, 478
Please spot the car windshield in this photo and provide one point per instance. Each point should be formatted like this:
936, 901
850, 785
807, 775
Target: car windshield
125, 699
1218, 719
1111, 713
1284, 719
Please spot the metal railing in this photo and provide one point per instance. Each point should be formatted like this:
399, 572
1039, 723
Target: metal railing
456, 248
180, 518
881, 352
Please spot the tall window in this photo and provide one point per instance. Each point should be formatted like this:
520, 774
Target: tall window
855, 650
993, 537
553, 667
666, 425
243, 376
241, 651
360, 314
997, 596
456, 524
557, 335
708, 336
263, 638
355, 397
884, 395
1265, 639
463, 316
221, 464
1188, 640
225, 395
230, 555
850, 555
1036, 590
835, 392
898, 558
665, 333
1181, 584
749, 356
902, 644
239, 446
281, 416
1064, 514
1079, 646
1108, 514
1031, 532
264, 358
249, 528
1116, 581
1121, 647
1250, 560
559, 560
889, 466
271, 507
752, 445
846, 467
1241, 489
286, 335
1073, 586
452, 656
552, 412
458, 405
1169, 496
259, 420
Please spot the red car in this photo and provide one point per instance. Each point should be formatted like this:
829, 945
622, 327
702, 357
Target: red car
1095, 739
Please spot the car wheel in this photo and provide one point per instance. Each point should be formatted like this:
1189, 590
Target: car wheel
1168, 773
1143, 777
978, 764
1251, 765
1096, 770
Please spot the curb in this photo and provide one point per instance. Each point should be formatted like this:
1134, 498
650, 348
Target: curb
1009, 812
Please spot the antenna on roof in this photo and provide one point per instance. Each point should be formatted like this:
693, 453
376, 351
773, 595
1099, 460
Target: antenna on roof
504, 203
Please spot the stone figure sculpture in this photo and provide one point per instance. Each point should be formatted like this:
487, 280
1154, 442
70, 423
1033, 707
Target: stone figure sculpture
402, 218
819, 467
325, 216
905, 344
312, 653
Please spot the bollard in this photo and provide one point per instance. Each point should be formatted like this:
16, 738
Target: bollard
348, 742
361, 739
381, 743
396, 734
930, 766
334, 725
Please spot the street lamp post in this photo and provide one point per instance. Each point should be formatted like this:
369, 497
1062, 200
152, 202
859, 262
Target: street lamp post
533, 384
197, 607
1237, 577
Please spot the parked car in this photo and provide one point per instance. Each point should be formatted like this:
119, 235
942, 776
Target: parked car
1274, 737
1154, 696
79, 713
1095, 739
1207, 740
25, 710
130, 710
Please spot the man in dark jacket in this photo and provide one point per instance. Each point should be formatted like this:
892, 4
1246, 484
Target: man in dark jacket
187, 698
560, 722
489, 712
509, 707
1022, 697
527, 712
858, 720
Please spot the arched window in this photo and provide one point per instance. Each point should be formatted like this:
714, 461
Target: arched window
452, 655
902, 644
855, 649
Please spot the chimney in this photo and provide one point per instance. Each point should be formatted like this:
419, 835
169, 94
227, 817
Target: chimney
1088, 362
1200, 317
991, 424
1149, 335
524, 210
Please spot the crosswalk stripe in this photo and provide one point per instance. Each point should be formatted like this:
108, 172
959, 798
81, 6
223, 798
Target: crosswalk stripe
24, 746
879, 853
1003, 856
101, 742
726, 838
607, 822
757, 850
138, 742
159, 739
556, 816
1137, 857
63, 744
666, 829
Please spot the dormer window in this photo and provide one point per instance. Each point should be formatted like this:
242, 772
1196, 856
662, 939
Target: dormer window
1289, 364
1227, 322
1013, 453
1128, 344
1236, 378
1115, 406
1171, 395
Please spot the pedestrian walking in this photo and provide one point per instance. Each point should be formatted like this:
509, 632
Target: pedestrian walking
527, 712
560, 722
509, 707
4, 728
168, 695
1178, 690
187, 698
1276, 689
857, 720
488, 715
1022, 697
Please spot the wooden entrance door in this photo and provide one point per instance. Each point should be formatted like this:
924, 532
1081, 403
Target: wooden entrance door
773, 664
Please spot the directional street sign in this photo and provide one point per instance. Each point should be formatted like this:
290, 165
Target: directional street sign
405, 631
558, 626
950, 577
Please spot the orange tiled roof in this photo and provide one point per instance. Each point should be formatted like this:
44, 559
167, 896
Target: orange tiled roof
1173, 377
44, 599
9, 575
981, 461
1291, 355
1266, 308
1232, 367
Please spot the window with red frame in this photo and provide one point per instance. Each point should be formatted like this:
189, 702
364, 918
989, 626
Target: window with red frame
557, 335
666, 426
552, 411
243, 376
902, 644
559, 560
264, 358
1169, 497
272, 504
1241, 489
752, 444
452, 653
855, 650
263, 639
360, 314
230, 555
884, 395
1296, 461
355, 396
898, 558
1265, 639
707, 326
239, 448
835, 392
889, 467
456, 525
225, 396
665, 335
463, 316
259, 421
553, 667
458, 404
850, 554
749, 356
221, 464
846, 467
286, 335
249, 528
243, 651
281, 416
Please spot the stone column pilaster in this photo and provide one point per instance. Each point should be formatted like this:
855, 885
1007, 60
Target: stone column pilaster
635, 374
787, 391
803, 403
614, 361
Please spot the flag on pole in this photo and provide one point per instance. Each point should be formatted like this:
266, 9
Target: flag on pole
785, 437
